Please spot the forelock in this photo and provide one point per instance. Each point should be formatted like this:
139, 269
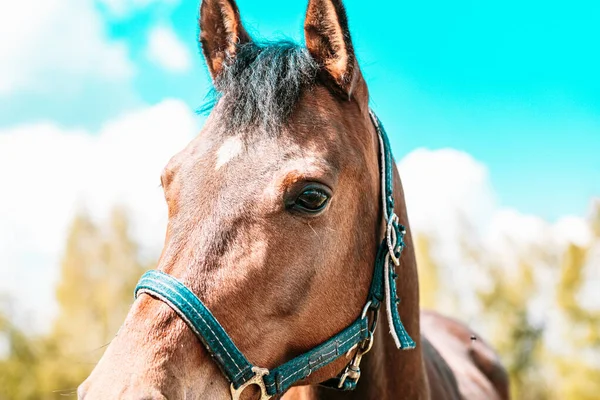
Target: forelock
262, 85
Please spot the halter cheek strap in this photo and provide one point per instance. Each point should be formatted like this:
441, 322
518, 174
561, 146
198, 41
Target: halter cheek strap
230, 359
232, 362
392, 245
200, 320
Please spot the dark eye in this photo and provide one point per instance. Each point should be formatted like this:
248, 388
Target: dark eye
312, 199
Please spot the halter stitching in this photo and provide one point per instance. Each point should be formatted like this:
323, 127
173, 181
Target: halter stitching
307, 366
207, 324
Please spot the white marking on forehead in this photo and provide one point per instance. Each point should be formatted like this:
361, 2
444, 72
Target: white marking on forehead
231, 148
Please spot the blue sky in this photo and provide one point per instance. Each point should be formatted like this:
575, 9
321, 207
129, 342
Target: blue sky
513, 83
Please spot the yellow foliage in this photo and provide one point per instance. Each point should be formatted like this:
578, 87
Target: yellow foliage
537, 372
515, 337
99, 270
101, 265
428, 272
578, 380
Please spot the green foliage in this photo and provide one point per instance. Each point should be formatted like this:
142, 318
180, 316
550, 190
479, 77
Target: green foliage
16, 378
539, 367
99, 270
578, 379
515, 336
101, 265
428, 272
581, 380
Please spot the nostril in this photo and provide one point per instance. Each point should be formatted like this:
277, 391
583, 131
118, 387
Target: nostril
83, 389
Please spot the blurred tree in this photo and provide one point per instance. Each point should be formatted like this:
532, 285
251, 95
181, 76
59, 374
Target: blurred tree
16, 378
595, 218
580, 377
99, 270
577, 379
98, 273
429, 280
516, 338
101, 265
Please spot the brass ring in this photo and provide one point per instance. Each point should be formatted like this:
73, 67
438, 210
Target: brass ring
257, 380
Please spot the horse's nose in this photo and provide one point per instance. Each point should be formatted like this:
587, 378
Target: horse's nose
132, 393
153, 396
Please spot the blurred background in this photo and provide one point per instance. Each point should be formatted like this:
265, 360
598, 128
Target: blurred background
493, 109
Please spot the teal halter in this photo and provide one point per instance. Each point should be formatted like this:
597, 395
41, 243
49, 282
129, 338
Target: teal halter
241, 373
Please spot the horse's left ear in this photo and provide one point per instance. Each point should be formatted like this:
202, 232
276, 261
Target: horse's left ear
221, 31
328, 41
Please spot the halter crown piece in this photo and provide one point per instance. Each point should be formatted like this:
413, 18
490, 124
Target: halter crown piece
241, 373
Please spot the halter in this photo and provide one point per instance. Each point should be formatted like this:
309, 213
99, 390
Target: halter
232, 362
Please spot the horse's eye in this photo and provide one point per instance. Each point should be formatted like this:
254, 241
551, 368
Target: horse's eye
312, 200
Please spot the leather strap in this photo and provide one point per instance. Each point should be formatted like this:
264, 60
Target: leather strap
229, 358
206, 327
284, 376
383, 286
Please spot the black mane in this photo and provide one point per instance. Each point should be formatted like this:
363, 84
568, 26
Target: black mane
263, 83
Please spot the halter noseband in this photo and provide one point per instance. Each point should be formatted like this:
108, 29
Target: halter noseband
241, 373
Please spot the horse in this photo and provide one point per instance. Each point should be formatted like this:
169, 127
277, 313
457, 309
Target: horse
285, 214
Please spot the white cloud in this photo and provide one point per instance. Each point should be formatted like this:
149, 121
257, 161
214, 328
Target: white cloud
49, 173
51, 45
572, 230
450, 199
122, 8
447, 188
449, 193
166, 50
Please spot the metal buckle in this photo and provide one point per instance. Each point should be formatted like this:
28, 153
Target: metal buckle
257, 379
352, 370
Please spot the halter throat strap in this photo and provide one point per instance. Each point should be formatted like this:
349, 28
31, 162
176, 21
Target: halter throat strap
236, 367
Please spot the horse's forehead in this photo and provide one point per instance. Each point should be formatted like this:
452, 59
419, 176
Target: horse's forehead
237, 168
221, 154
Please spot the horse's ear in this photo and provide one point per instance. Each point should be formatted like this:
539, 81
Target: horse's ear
221, 31
328, 41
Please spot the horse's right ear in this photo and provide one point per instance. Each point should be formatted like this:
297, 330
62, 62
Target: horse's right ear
221, 32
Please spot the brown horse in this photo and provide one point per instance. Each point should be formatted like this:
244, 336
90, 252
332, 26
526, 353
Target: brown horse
274, 223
